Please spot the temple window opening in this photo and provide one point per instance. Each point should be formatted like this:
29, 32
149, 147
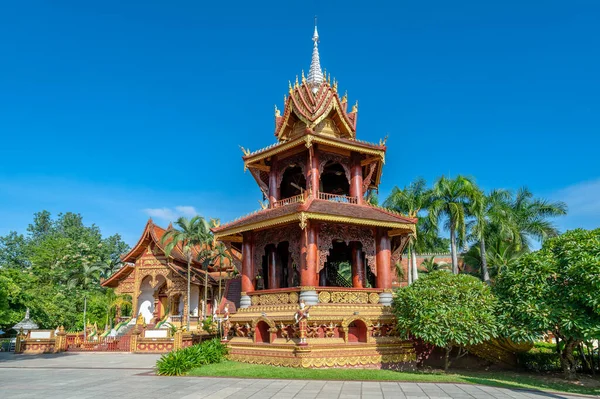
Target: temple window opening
334, 181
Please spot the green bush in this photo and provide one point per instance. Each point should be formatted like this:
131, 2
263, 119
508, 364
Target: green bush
183, 360
540, 360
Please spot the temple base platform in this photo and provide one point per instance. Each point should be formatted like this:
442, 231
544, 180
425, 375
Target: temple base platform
338, 335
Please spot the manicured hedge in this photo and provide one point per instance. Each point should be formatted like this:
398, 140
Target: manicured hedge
181, 361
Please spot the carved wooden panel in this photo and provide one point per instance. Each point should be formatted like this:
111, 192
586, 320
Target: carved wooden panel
289, 233
296, 160
329, 232
326, 157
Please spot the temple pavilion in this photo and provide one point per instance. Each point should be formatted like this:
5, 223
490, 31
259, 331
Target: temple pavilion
319, 241
157, 283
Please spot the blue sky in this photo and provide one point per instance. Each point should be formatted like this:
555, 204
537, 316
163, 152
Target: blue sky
121, 110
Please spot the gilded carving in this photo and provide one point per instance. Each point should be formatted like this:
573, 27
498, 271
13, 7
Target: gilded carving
329, 232
327, 157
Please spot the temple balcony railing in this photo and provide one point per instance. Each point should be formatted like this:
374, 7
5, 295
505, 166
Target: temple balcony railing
296, 199
337, 295
337, 198
349, 295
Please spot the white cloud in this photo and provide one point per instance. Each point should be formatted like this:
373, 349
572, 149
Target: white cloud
171, 214
187, 211
583, 200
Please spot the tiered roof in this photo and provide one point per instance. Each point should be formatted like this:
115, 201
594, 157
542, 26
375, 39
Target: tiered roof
178, 261
316, 209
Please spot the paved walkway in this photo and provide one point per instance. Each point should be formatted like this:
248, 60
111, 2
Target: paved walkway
120, 375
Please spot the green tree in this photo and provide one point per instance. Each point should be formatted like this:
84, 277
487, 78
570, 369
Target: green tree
409, 201
490, 210
191, 235
38, 265
555, 289
85, 277
532, 215
451, 199
447, 310
431, 265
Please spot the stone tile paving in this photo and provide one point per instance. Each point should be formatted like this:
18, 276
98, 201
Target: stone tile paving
120, 375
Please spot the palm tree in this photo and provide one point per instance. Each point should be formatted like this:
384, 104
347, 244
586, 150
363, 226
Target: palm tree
85, 277
410, 200
500, 254
431, 265
190, 234
492, 212
450, 199
216, 253
531, 217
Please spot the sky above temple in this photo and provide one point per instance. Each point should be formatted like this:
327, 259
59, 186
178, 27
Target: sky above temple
125, 110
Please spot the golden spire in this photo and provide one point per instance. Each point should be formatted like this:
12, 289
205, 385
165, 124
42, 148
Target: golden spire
290, 86
277, 113
345, 97
303, 78
335, 85
355, 107
296, 85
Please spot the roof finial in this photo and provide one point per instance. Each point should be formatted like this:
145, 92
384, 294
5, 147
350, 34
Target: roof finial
315, 74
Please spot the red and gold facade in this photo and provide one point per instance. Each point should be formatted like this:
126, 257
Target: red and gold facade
318, 241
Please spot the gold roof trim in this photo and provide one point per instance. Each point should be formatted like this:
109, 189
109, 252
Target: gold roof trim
308, 140
365, 222
258, 225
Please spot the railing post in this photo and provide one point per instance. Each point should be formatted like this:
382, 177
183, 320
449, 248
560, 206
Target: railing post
19, 341
60, 341
178, 339
134, 338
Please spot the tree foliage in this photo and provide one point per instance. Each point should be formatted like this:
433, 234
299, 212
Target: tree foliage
35, 269
556, 289
447, 310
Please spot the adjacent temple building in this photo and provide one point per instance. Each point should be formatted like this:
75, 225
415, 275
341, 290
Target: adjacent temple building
319, 241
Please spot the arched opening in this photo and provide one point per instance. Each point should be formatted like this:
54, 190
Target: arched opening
262, 332
334, 181
357, 331
293, 182
337, 271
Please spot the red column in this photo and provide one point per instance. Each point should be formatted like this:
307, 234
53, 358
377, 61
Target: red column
272, 264
247, 267
384, 259
356, 178
312, 170
273, 190
309, 256
358, 266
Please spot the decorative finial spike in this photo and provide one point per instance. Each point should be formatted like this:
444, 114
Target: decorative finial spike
315, 74
277, 113
296, 84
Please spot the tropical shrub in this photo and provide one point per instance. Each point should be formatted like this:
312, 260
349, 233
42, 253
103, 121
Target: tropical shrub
447, 310
183, 360
542, 357
556, 289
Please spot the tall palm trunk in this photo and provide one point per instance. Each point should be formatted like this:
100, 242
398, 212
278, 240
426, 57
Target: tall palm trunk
189, 272
84, 316
484, 266
453, 250
415, 272
205, 293
409, 268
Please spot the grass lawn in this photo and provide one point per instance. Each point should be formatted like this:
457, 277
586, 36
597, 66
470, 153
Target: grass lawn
503, 379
